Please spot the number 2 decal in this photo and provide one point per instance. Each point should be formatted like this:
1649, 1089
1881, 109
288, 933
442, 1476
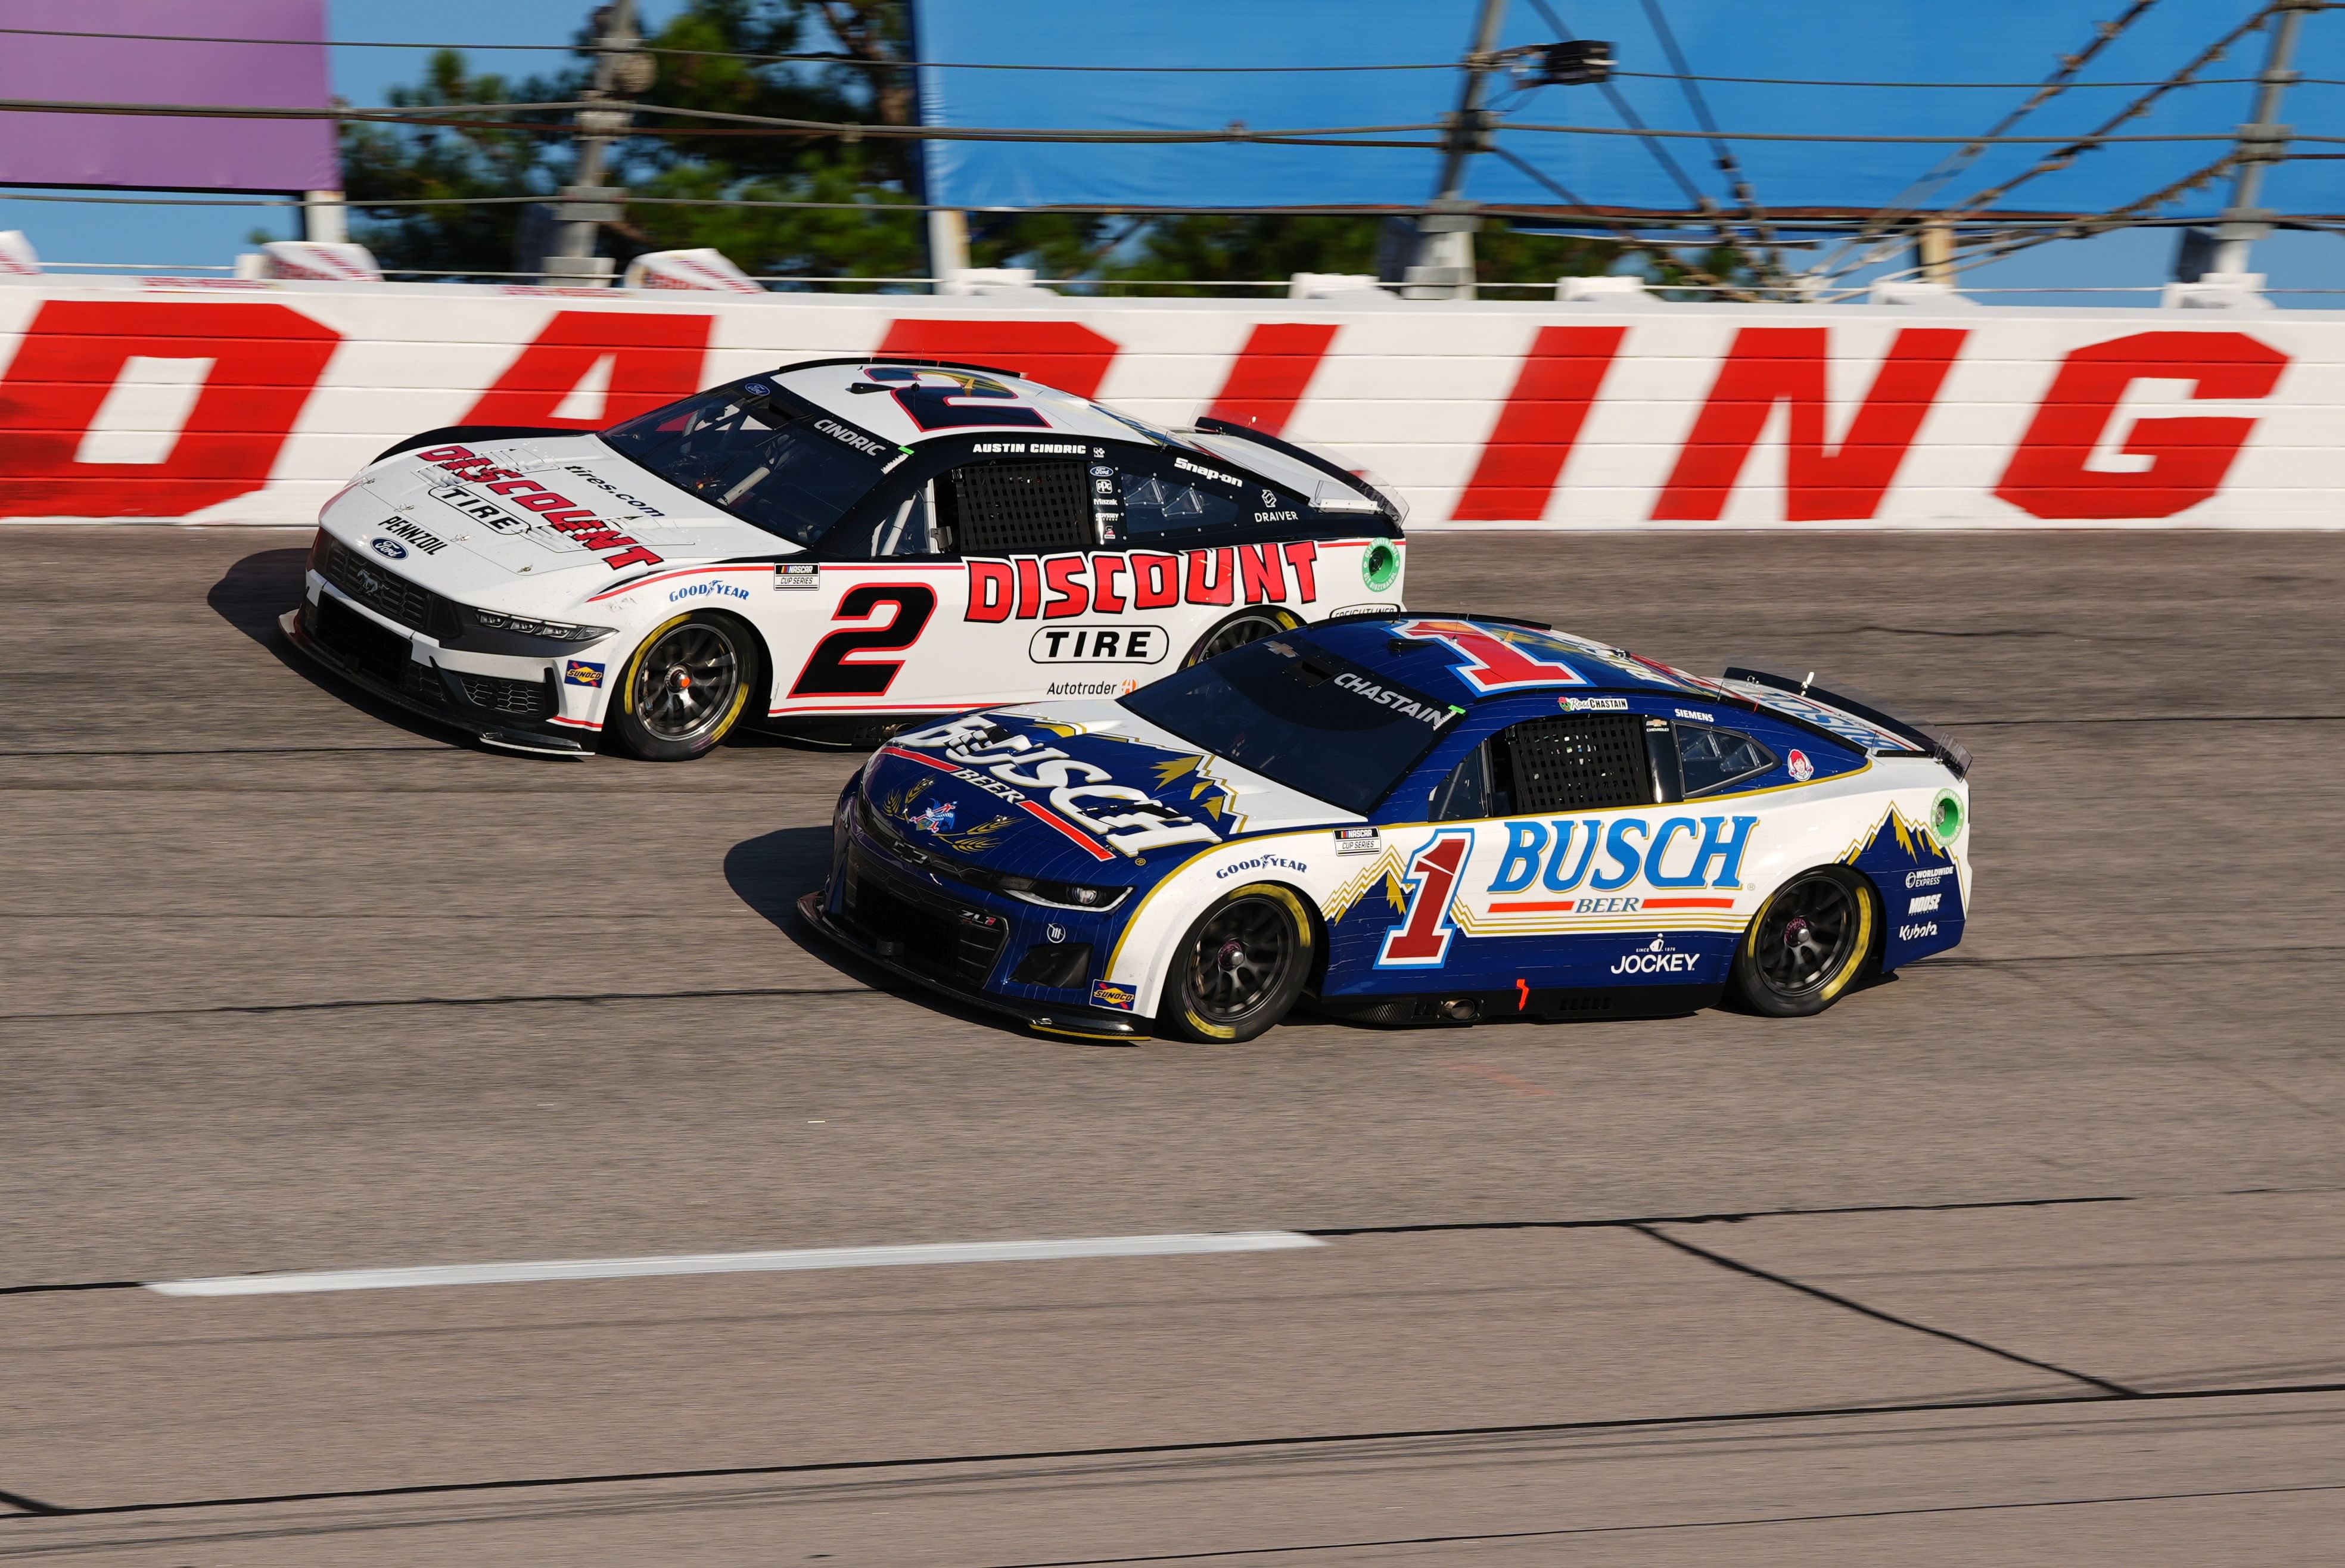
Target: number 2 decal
1421, 941
828, 672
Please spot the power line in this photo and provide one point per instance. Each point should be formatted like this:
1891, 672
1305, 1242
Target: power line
854, 130
1907, 201
808, 59
908, 65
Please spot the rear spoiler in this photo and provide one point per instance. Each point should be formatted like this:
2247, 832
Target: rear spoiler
1871, 710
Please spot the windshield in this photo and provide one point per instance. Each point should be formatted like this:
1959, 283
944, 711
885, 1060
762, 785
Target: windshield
1292, 712
789, 474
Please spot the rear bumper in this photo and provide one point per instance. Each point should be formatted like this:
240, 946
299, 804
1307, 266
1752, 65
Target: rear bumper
1080, 1023
422, 687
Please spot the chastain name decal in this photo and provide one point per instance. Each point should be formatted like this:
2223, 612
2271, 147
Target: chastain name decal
1056, 587
557, 512
1012, 764
1393, 700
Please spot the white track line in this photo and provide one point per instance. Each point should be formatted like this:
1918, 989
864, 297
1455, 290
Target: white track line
736, 1263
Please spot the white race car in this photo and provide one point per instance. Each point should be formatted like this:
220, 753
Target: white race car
832, 550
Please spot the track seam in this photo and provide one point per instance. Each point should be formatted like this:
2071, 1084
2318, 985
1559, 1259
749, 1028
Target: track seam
1676, 1524
821, 1467
1850, 1304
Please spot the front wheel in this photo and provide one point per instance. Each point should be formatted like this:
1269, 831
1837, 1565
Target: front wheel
1241, 966
685, 689
1245, 627
1807, 943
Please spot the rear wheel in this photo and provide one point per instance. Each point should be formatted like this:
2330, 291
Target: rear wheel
685, 689
1245, 627
1241, 966
1807, 943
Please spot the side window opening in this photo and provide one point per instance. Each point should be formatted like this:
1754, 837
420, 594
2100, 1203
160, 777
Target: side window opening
1016, 508
1578, 762
909, 527
1155, 505
1712, 760
1480, 785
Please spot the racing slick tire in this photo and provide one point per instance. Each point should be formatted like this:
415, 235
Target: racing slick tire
1241, 968
1807, 943
685, 688
1246, 626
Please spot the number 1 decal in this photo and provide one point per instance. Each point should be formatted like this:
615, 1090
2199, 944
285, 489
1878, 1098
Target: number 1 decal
1421, 941
830, 672
1493, 663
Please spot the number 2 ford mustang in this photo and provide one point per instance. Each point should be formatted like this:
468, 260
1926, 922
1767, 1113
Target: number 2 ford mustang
835, 548
1406, 819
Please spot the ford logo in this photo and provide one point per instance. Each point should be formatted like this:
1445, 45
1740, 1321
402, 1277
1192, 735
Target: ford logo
391, 548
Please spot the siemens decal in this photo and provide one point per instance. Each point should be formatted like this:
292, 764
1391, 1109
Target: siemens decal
1678, 852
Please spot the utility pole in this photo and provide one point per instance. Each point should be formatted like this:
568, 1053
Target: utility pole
621, 68
2262, 142
1443, 268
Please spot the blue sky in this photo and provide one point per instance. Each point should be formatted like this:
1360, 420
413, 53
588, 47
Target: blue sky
200, 236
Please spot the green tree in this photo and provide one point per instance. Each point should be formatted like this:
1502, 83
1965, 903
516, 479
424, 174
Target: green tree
855, 75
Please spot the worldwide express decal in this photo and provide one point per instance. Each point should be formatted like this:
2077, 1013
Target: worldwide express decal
1054, 587
1080, 799
480, 477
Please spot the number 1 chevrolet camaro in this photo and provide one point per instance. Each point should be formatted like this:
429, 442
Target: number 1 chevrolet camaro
833, 549
1405, 819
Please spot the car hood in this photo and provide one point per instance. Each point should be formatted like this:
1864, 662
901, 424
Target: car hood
1082, 791
458, 536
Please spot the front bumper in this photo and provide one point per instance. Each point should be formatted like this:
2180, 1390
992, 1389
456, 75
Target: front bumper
364, 650
953, 939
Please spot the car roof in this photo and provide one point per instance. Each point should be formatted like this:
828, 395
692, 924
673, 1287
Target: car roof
842, 388
1431, 651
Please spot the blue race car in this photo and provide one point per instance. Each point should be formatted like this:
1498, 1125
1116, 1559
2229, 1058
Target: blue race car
1406, 818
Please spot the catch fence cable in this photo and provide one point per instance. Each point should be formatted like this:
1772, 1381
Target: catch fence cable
2091, 139
1906, 203
1728, 165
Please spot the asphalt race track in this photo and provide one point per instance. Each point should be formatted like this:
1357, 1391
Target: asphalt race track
2032, 1254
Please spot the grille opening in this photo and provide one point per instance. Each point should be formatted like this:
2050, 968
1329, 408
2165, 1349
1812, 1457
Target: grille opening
521, 699
1018, 509
1059, 965
383, 591
928, 930
1579, 762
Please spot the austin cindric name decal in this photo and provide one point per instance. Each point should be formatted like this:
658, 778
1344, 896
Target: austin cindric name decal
558, 511
1105, 583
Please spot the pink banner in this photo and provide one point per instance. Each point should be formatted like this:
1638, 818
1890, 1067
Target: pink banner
161, 153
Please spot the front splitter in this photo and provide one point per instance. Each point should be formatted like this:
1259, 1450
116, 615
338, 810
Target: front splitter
1079, 1024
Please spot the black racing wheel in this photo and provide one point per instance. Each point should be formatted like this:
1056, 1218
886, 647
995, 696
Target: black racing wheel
685, 689
1245, 627
1807, 943
1241, 966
